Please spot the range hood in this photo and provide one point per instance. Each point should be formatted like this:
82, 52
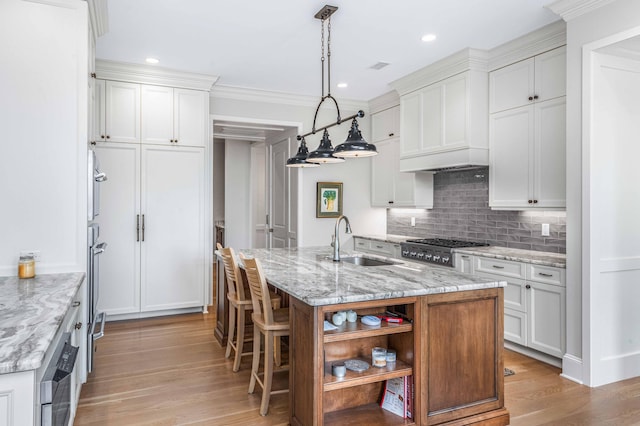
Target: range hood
464, 158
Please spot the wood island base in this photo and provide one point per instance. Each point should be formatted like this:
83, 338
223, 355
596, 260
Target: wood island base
450, 347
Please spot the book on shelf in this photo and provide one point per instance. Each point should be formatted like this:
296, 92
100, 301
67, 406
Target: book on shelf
397, 397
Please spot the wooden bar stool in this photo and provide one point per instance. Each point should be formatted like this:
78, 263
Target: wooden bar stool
239, 304
268, 322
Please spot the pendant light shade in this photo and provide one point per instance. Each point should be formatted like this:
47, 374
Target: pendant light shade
300, 159
355, 145
324, 153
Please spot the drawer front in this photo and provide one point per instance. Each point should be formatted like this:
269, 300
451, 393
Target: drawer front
546, 275
504, 268
383, 248
360, 244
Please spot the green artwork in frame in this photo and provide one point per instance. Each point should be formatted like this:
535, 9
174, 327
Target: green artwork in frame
329, 199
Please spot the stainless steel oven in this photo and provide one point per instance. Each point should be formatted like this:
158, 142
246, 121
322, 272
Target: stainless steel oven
96, 248
55, 387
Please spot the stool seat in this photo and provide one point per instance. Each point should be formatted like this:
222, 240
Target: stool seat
270, 322
239, 304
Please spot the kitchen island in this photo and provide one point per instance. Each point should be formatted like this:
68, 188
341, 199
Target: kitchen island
449, 345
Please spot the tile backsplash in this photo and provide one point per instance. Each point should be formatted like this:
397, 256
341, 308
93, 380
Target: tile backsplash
461, 211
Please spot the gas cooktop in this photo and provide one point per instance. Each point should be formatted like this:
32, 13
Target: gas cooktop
435, 250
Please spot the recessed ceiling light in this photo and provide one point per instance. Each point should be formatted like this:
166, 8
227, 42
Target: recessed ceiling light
428, 37
151, 61
342, 85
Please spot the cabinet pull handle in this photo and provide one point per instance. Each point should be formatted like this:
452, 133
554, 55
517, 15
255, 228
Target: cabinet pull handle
137, 228
527, 286
498, 267
535, 96
78, 326
379, 247
391, 134
545, 274
464, 256
390, 202
143, 228
76, 304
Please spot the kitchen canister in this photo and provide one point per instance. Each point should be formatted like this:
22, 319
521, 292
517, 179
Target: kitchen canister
379, 357
338, 369
26, 266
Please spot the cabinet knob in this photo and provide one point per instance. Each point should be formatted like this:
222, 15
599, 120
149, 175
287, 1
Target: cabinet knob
530, 98
530, 201
535, 96
108, 137
528, 286
535, 201
78, 326
102, 137
93, 143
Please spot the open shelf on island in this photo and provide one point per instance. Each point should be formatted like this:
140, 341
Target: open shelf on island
365, 415
356, 330
373, 374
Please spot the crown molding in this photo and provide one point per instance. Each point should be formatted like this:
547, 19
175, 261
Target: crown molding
546, 38
273, 97
382, 102
133, 73
571, 9
99, 17
464, 60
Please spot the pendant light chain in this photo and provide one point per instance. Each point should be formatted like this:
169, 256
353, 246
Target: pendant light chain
355, 145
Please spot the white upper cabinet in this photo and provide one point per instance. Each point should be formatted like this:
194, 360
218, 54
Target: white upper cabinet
389, 186
117, 111
174, 116
443, 114
527, 136
536, 79
385, 124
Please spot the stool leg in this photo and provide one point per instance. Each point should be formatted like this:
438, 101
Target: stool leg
277, 351
256, 358
268, 373
239, 339
232, 330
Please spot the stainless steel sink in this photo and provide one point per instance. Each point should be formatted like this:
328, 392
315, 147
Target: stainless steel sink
367, 261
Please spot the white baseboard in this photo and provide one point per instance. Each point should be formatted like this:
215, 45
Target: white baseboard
141, 315
572, 368
532, 353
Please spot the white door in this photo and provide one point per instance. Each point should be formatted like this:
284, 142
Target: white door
122, 112
173, 240
190, 117
118, 219
157, 114
278, 191
383, 173
546, 323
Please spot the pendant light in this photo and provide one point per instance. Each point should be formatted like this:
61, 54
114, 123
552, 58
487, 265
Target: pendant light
355, 145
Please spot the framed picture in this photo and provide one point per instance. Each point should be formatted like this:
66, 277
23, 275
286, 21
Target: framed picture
329, 199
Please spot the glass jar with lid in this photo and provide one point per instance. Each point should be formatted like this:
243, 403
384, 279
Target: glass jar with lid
26, 266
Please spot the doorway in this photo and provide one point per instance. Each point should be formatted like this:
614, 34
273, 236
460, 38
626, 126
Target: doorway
252, 189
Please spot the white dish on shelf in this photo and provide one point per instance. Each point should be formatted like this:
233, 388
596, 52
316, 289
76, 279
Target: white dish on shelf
370, 320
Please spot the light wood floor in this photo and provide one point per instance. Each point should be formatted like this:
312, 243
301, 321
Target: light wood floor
171, 371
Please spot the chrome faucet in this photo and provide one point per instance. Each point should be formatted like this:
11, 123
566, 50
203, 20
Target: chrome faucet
336, 237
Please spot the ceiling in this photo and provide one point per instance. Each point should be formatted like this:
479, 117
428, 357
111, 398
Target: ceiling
275, 45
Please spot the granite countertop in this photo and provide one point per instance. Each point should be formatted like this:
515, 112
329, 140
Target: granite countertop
309, 274
389, 238
544, 258
31, 311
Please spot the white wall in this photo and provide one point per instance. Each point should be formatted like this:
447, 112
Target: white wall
237, 194
354, 174
43, 117
590, 325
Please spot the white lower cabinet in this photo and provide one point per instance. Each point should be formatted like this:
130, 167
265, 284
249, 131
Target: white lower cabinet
153, 220
534, 301
381, 248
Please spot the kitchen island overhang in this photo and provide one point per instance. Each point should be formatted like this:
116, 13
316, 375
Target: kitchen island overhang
450, 348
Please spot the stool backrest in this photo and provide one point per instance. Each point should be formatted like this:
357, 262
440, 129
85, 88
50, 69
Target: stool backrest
232, 272
259, 291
